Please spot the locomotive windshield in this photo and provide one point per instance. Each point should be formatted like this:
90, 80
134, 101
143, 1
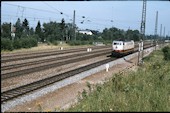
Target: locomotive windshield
116, 43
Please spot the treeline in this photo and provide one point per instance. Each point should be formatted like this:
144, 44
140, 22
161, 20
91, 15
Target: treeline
53, 32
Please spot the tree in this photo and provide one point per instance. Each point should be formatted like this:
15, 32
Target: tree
31, 31
19, 28
69, 30
136, 35
62, 28
133, 35
51, 31
38, 31
129, 34
25, 25
38, 28
6, 30
112, 34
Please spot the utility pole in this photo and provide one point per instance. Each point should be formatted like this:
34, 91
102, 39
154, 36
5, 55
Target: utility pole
74, 26
156, 25
142, 28
161, 31
164, 32
12, 30
161, 34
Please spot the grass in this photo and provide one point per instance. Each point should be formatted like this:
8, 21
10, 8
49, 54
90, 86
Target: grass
147, 89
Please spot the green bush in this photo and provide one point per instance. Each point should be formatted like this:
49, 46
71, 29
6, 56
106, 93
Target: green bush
55, 43
51, 38
17, 44
25, 43
79, 42
6, 44
48, 43
166, 51
28, 42
33, 42
72, 43
35, 36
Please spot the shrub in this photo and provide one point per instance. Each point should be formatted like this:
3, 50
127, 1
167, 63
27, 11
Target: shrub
166, 51
33, 42
28, 42
35, 36
51, 38
55, 43
6, 44
25, 43
79, 42
72, 43
17, 44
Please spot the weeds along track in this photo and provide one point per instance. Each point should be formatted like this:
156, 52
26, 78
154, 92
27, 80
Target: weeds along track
31, 55
13, 93
54, 63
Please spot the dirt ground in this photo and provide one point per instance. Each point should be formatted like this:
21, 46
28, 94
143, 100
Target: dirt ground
66, 96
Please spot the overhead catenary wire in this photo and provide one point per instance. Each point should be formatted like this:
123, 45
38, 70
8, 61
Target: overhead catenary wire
33, 8
79, 18
91, 18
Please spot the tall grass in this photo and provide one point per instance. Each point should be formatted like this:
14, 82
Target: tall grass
147, 89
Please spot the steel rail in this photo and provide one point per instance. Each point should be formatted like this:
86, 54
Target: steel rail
13, 93
48, 66
42, 54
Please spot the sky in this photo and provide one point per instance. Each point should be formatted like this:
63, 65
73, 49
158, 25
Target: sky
97, 14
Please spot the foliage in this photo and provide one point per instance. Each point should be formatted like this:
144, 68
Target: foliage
79, 42
24, 42
112, 34
6, 44
115, 33
55, 43
132, 35
166, 51
25, 26
38, 32
19, 28
31, 32
62, 29
53, 31
6, 30
28, 42
17, 44
147, 89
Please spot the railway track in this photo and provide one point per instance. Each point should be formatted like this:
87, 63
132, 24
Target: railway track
13, 93
12, 66
54, 64
44, 66
16, 92
30, 55
10, 58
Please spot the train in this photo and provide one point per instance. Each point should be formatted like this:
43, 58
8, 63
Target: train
120, 47
167, 41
